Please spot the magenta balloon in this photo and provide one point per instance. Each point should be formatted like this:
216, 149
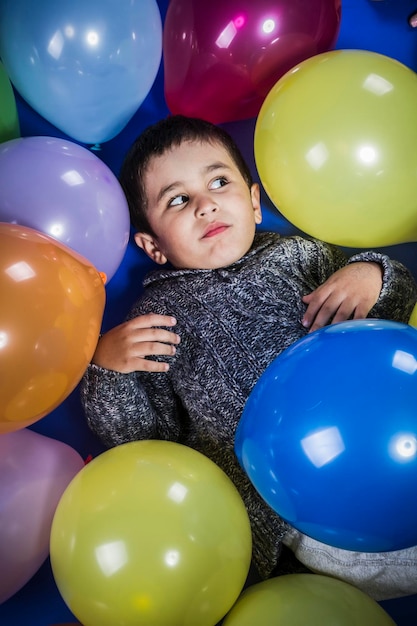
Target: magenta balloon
222, 57
34, 473
65, 191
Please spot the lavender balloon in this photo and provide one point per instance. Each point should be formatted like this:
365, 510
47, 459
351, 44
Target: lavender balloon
65, 191
34, 473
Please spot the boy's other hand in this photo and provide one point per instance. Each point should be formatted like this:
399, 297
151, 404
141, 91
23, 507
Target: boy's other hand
124, 348
350, 293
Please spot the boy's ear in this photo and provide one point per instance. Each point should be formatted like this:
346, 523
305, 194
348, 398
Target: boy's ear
150, 247
255, 193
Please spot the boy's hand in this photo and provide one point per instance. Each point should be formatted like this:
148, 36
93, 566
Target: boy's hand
350, 293
125, 348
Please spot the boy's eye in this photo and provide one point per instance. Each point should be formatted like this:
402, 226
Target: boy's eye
178, 200
221, 181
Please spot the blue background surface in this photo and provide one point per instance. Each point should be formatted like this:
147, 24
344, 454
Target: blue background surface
380, 26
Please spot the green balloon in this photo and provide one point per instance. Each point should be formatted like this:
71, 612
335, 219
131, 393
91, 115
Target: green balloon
299, 599
9, 121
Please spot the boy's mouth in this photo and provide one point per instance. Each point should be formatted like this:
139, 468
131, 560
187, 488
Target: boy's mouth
214, 229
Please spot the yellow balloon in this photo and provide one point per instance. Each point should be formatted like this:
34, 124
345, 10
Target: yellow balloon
336, 148
413, 317
150, 533
298, 599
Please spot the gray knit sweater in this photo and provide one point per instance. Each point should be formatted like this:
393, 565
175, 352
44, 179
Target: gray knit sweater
232, 321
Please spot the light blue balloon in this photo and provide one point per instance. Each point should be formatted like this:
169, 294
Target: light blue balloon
84, 65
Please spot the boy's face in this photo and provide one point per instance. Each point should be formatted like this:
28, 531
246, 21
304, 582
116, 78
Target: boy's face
200, 208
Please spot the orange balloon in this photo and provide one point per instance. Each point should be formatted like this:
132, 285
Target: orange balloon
52, 304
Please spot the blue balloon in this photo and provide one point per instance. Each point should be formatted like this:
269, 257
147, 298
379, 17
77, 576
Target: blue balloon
328, 436
84, 65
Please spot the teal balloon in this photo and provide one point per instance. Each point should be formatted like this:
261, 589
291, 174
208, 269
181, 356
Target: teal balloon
328, 435
84, 65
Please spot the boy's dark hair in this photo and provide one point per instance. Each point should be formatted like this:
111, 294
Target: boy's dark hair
155, 141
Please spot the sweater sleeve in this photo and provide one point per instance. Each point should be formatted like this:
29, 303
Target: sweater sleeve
399, 290
127, 407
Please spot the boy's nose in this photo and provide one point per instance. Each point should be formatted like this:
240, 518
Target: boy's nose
205, 207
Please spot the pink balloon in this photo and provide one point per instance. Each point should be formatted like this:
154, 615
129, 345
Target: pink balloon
34, 473
222, 57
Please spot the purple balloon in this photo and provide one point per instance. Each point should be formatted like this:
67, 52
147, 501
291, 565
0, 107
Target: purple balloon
65, 191
34, 473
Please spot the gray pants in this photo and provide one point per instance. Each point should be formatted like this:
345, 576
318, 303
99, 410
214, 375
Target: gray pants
382, 575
